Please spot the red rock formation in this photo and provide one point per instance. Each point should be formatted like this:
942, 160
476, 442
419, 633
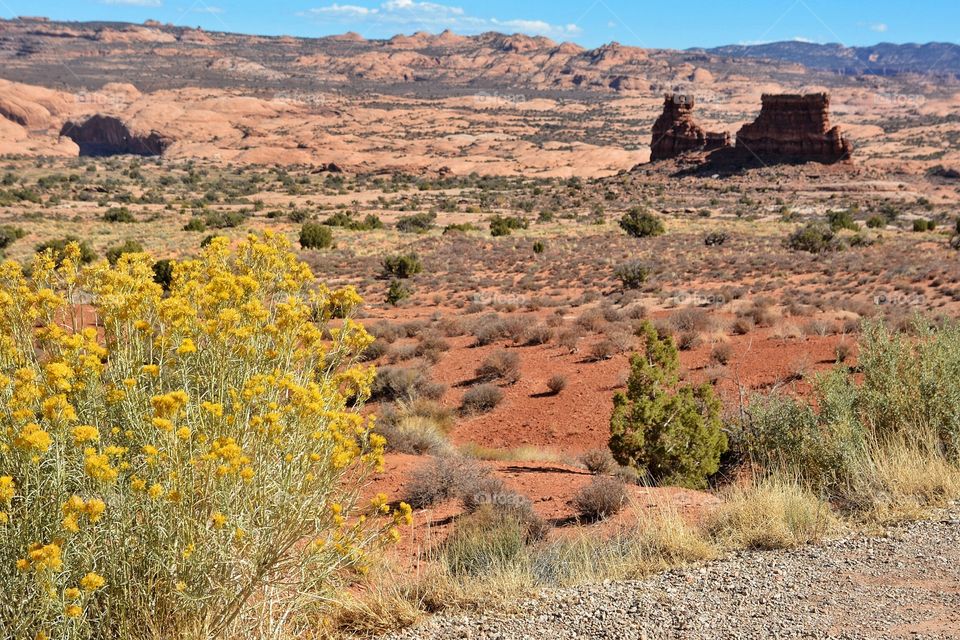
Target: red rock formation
101, 135
676, 132
794, 128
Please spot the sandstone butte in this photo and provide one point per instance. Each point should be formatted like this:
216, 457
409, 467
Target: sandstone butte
790, 128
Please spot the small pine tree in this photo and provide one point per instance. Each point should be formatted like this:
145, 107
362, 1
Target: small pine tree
316, 236
669, 430
397, 292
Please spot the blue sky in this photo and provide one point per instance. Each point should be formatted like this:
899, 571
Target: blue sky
644, 23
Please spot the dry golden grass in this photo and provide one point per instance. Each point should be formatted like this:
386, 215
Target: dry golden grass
770, 513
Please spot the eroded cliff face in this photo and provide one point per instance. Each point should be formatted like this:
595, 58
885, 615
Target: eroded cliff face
101, 135
676, 131
794, 128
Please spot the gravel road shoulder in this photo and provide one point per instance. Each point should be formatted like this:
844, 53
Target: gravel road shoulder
904, 584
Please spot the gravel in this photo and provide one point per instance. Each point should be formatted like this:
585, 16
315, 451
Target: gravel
902, 584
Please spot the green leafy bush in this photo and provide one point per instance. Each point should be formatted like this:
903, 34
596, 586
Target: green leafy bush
505, 225
57, 246
640, 223
815, 237
841, 220
417, 223
195, 224
9, 235
907, 392
118, 214
402, 265
163, 273
128, 246
661, 427
461, 227
397, 292
348, 221
315, 236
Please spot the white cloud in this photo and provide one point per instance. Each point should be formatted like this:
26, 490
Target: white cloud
344, 10
135, 3
432, 16
879, 27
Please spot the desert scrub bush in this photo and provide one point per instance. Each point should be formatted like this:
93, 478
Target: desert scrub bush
599, 461
815, 237
9, 235
417, 223
481, 399
191, 463
632, 274
402, 265
604, 496
397, 383
396, 292
419, 426
715, 239
118, 214
505, 225
195, 224
556, 384
640, 223
315, 236
668, 430
444, 478
114, 252
501, 365
904, 397
842, 219
56, 249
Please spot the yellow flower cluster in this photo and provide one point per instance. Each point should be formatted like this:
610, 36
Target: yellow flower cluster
75, 507
42, 557
206, 427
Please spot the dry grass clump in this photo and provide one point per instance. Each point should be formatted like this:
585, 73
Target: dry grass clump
599, 461
771, 514
556, 384
481, 399
603, 497
418, 427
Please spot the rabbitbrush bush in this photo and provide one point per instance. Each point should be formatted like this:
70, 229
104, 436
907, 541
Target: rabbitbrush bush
190, 464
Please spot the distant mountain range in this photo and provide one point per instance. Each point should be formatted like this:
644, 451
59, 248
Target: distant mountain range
87, 55
937, 58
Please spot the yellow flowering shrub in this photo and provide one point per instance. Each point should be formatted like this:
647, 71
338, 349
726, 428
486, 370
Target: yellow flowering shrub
186, 464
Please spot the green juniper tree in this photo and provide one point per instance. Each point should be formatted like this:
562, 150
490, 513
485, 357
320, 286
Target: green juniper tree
668, 430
